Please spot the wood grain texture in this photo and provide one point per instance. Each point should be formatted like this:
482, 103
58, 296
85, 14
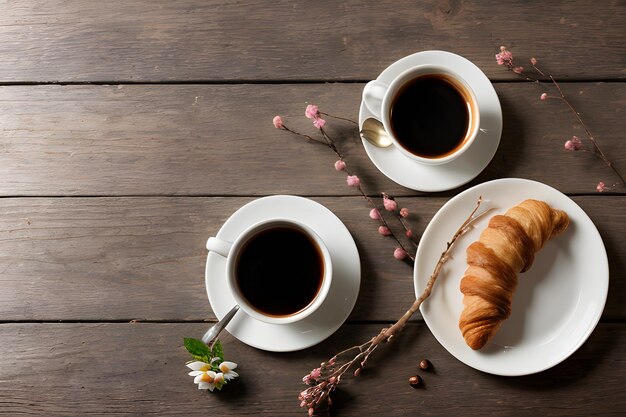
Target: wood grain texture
168, 131
144, 258
185, 40
219, 140
138, 369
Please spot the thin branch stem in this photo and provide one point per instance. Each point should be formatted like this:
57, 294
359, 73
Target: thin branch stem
331, 144
589, 135
598, 151
396, 327
304, 135
339, 118
324, 380
407, 228
538, 70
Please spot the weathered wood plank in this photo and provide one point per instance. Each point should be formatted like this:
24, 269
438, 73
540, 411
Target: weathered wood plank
219, 140
143, 258
138, 369
220, 40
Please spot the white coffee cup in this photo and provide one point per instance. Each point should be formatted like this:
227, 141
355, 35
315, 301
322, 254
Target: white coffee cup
233, 251
380, 98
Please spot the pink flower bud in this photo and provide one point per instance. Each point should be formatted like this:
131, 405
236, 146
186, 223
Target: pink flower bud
390, 204
332, 380
544, 96
399, 254
404, 212
311, 111
518, 70
574, 144
311, 411
374, 214
340, 165
357, 372
600, 187
504, 57
409, 233
384, 230
302, 403
278, 122
533, 61
316, 373
319, 122
353, 181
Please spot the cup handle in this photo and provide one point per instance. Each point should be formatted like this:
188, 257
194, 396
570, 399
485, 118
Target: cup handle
373, 95
218, 246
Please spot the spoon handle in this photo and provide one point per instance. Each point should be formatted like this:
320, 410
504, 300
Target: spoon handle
211, 335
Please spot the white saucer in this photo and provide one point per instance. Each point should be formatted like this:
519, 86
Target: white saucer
412, 174
342, 294
558, 301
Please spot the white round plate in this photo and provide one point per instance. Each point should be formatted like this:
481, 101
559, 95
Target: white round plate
558, 302
341, 296
412, 174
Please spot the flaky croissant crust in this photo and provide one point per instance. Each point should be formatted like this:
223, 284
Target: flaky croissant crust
507, 246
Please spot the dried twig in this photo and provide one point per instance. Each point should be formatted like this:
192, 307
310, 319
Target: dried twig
324, 380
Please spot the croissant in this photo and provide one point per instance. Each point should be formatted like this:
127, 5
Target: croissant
507, 246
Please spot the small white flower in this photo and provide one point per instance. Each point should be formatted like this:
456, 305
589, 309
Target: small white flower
209, 379
227, 369
219, 380
198, 366
203, 376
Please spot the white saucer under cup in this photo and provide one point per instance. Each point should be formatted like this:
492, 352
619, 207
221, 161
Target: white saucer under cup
431, 178
343, 292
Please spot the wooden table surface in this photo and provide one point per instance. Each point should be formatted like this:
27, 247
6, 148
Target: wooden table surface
131, 130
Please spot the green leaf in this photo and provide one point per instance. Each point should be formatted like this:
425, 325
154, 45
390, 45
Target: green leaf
197, 348
217, 351
203, 358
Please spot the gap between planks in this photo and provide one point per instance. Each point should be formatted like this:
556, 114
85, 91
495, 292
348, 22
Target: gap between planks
278, 81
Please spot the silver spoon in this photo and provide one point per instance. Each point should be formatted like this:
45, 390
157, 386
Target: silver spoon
211, 335
374, 132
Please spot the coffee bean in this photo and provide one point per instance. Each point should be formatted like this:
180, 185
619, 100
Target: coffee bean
425, 364
414, 381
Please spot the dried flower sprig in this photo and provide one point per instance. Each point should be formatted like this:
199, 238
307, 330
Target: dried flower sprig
323, 381
352, 180
505, 58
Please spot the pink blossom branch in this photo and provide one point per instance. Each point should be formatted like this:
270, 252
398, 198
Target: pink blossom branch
505, 57
589, 135
391, 205
324, 380
331, 144
353, 180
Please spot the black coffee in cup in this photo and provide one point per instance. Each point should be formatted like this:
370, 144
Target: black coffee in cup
280, 271
431, 116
